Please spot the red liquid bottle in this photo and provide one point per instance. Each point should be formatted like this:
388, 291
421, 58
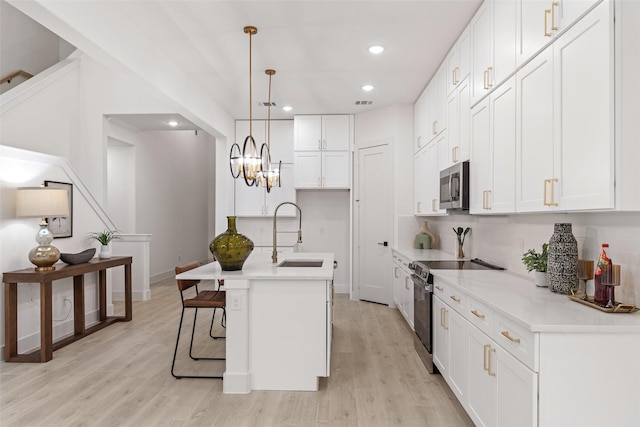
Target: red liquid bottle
601, 294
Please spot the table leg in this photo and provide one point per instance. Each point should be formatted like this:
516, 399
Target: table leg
10, 320
46, 320
128, 315
102, 285
78, 304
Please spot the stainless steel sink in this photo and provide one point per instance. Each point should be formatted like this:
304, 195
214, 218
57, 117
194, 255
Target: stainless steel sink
301, 263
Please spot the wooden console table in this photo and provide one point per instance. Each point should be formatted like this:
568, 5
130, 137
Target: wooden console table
45, 278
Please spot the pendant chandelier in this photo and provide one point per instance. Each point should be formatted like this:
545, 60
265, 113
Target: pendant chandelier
271, 178
250, 163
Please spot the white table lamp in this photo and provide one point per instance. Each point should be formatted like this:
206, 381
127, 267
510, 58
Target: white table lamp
43, 202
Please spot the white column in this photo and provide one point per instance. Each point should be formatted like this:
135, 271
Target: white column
237, 376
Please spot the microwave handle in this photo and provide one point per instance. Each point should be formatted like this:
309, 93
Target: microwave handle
451, 195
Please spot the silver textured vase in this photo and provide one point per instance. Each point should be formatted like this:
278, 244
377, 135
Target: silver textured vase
562, 264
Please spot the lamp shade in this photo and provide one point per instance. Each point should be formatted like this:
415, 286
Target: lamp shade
42, 202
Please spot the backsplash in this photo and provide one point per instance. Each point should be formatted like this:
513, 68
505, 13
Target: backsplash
502, 240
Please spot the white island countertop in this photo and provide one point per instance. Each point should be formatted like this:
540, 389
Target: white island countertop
260, 267
536, 308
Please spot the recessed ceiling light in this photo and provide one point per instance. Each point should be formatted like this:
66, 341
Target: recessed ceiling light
287, 108
172, 123
376, 49
367, 88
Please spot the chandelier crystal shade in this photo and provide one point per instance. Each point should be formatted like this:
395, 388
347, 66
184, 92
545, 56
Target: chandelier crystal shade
249, 162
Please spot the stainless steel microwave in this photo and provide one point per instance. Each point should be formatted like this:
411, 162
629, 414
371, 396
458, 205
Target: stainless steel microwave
454, 187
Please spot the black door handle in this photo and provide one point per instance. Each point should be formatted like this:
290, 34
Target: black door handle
383, 243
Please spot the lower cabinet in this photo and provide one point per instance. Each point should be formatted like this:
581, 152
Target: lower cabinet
502, 391
403, 288
494, 387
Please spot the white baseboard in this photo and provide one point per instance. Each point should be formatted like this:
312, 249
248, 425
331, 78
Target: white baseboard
341, 288
135, 295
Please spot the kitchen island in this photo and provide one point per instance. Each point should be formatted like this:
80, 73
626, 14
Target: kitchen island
278, 322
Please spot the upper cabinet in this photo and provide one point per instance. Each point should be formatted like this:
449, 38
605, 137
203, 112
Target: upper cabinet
281, 144
322, 155
328, 133
493, 46
257, 202
458, 62
540, 21
565, 129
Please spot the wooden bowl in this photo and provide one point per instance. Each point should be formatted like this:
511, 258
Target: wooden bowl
78, 258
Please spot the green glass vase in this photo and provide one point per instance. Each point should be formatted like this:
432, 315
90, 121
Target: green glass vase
231, 249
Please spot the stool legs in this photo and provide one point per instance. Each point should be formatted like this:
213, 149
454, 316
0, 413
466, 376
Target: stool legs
175, 352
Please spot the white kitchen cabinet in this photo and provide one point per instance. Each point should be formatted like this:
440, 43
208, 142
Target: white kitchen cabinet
253, 201
281, 137
256, 201
322, 169
403, 288
323, 132
437, 96
458, 61
420, 134
540, 21
565, 158
502, 391
494, 387
457, 148
493, 36
426, 175
322, 157
451, 341
494, 152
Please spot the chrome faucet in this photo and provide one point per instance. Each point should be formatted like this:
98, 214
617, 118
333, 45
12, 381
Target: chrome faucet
274, 254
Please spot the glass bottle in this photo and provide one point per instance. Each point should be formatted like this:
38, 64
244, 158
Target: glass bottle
601, 293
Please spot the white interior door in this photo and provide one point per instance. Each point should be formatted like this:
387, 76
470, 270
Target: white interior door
375, 219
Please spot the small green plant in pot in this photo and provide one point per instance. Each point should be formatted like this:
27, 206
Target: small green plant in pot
104, 238
537, 262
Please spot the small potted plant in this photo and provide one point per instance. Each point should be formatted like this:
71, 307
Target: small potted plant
104, 238
537, 262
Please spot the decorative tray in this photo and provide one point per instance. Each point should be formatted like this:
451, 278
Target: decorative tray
617, 306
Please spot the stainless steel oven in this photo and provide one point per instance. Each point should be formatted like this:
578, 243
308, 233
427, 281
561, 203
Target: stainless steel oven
423, 301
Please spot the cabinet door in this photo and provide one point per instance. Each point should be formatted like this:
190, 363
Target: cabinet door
440, 318
464, 55
419, 126
307, 130
534, 28
439, 102
307, 169
336, 132
482, 379
408, 298
584, 113
516, 391
482, 50
480, 174
504, 40
281, 141
249, 201
535, 134
285, 193
458, 356
397, 285
452, 69
571, 10
336, 169
433, 175
420, 182
502, 198
463, 152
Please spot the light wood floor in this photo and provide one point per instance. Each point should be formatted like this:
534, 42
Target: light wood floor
121, 376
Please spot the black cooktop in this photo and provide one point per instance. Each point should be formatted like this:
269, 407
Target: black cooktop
474, 264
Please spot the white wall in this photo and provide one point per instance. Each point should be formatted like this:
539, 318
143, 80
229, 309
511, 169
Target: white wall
26, 45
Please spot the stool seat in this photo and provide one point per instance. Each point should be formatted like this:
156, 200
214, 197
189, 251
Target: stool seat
207, 299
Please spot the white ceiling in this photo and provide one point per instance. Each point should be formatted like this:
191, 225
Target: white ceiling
318, 48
